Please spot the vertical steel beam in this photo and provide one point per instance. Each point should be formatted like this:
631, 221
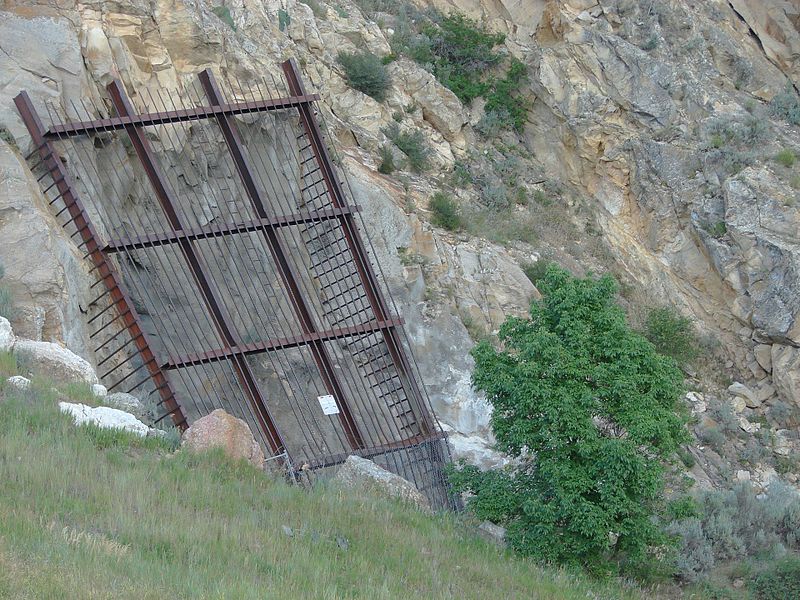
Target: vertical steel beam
356, 246
93, 245
222, 322
279, 256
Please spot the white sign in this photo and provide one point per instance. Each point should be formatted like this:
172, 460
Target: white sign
328, 404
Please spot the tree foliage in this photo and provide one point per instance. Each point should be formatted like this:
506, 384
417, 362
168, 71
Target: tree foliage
590, 410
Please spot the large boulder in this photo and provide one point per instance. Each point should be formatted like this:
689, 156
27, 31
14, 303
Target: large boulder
104, 417
364, 475
54, 361
6, 335
222, 430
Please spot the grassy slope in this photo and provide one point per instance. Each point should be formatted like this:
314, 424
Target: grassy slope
87, 514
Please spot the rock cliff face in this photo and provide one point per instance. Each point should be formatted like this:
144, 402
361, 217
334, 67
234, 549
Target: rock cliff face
651, 119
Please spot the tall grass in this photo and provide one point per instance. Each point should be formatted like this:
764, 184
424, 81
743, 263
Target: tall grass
88, 516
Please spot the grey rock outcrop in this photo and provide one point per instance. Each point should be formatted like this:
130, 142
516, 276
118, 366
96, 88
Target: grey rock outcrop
362, 475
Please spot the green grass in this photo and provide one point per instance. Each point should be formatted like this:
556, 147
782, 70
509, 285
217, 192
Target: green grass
87, 514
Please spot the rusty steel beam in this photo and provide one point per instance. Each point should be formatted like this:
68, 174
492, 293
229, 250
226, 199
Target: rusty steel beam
222, 321
356, 246
209, 231
290, 280
106, 271
305, 339
172, 116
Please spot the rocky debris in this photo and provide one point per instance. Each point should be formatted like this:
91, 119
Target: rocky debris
744, 393
747, 426
493, 533
104, 417
698, 402
6, 335
782, 446
742, 475
99, 390
222, 430
363, 475
738, 404
54, 361
124, 401
19, 382
475, 450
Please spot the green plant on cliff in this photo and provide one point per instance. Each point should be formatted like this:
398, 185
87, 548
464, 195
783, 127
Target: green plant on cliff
366, 73
6, 302
590, 409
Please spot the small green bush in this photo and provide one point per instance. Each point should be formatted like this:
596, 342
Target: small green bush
284, 20
780, 582
6, 302
366, 73
535, 271
672, 334
387, 166
412, 144
786, 157
224, 15
786, 106
445, 213
316, 8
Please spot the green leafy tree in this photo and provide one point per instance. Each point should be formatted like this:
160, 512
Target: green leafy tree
589, 408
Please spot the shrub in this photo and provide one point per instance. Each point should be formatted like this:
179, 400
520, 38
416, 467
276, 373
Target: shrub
6, 302
510, 108
672, 334
366, 73
387, 166
786, 157
412, 144
786, 106
535, 271
223, 13
780, 582
284, 20
445, 213
588, 408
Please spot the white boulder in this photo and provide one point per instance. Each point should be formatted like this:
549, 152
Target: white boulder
6, 335
54, 361
360, 474
104, 417
124, 401
99, 390
19, 382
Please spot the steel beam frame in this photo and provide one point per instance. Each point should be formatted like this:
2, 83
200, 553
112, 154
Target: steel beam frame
93, 246
221, 319
289, 279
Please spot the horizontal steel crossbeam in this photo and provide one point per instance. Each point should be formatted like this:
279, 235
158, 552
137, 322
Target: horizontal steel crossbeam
192, 360
175, 116
200, 233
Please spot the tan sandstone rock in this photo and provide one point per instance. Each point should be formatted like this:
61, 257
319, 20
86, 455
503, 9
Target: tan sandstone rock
222, 430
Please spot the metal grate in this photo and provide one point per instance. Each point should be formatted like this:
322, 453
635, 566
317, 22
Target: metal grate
231, 272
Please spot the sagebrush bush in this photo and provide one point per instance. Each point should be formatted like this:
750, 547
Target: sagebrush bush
366, 73
672, 334
786, 106
734, 525
444, 212
6, 301
411, 143
786, 157
387, 166
780, 581
590, 410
